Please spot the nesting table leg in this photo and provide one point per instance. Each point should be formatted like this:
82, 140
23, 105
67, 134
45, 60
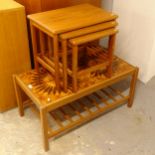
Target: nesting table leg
56, 61
50, 47
42, 43
74, 67
64, 57
34, 45
132, 87
44, 124
111, 54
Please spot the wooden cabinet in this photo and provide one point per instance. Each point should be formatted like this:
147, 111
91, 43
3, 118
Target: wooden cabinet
14, 49
33, 6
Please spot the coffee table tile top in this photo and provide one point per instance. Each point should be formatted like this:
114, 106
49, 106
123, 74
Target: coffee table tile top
42, 86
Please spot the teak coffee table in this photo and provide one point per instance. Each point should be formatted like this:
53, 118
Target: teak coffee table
60, 112
51, 24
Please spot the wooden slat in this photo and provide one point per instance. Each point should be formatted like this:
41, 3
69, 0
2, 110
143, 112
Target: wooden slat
51, 63
89, 117
45, 65
84, 106
93, 102
116, 91
75, 110
56, 119
93, 36
109, 95
101, 98
65, 114
94, 68
98, 50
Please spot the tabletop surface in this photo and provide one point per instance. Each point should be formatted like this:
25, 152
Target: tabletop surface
71, 18
42, 86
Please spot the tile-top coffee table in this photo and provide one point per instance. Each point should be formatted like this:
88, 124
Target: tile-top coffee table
60, 112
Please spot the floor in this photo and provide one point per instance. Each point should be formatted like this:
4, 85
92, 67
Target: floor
123, 131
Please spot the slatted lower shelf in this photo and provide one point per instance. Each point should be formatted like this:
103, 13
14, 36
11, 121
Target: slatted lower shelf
83, 110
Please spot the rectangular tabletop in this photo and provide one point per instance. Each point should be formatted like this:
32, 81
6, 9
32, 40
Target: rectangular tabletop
41, 88
71, 18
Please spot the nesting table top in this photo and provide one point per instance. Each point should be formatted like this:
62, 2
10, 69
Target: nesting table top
71, 18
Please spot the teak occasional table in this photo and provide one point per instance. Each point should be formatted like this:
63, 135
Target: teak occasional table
85, 36
97, 94
49, 25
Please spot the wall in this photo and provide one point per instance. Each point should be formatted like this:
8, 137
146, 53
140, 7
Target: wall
151, 72
107, 4
136, 39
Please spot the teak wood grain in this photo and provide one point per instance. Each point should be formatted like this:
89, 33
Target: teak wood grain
87, 30
71, 18
93, 36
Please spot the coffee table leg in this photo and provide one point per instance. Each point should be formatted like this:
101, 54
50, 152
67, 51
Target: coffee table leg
43, 117
56, 61
111, 45
18, 97
132, 87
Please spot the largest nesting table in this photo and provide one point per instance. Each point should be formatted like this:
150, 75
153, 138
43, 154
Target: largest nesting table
58, 111
56, 22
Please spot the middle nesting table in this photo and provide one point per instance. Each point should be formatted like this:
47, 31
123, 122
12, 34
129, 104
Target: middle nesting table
87, 37
49, 31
